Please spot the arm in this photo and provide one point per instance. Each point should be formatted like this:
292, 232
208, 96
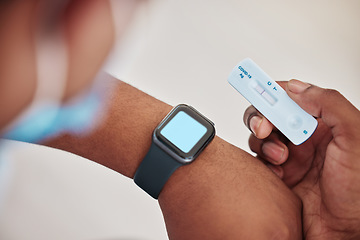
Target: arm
224, 194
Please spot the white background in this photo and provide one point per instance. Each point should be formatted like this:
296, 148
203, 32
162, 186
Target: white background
187, 52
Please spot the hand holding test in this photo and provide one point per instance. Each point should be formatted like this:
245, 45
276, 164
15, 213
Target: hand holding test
272, 101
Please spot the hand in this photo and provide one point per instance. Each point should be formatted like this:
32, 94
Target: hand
223, 194
325, 170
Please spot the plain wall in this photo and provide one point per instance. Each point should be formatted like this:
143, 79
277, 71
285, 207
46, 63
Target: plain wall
185, 56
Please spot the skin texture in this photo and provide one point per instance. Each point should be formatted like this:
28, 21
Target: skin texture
224, 194
224, 188
324, 170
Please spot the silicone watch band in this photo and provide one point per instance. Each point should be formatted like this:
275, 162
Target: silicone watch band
155, 170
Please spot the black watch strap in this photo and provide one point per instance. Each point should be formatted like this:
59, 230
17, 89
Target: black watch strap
155, 170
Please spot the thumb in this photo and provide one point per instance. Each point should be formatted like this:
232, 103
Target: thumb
329, 105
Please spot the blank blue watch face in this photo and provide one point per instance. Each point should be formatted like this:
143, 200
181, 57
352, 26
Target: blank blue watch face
183, 131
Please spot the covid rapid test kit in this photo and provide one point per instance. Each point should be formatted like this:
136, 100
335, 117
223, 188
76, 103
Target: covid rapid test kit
272, 101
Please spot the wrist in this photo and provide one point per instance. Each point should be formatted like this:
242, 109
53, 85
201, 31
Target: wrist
225, 182
134, 116
122, 139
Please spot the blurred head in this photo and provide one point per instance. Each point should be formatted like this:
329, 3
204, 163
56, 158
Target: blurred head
59, 44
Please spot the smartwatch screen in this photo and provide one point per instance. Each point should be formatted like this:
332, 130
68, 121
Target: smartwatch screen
185, 131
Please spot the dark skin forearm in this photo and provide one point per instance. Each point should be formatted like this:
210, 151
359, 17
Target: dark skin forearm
123, 137
224, 194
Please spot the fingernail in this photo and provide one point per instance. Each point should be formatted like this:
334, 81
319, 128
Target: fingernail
255, 122
297, 86
273, 151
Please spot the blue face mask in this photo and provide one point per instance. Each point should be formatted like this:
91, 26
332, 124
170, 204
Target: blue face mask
47, 120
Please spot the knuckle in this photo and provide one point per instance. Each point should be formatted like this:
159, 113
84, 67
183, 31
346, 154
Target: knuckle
332, 93
253, 144
250, 110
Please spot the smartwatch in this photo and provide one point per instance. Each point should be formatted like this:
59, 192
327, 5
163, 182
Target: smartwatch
179, 138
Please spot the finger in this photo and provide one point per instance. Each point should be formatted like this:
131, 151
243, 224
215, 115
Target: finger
329, 105
257, 123
299, 162
278, 170
271, 149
